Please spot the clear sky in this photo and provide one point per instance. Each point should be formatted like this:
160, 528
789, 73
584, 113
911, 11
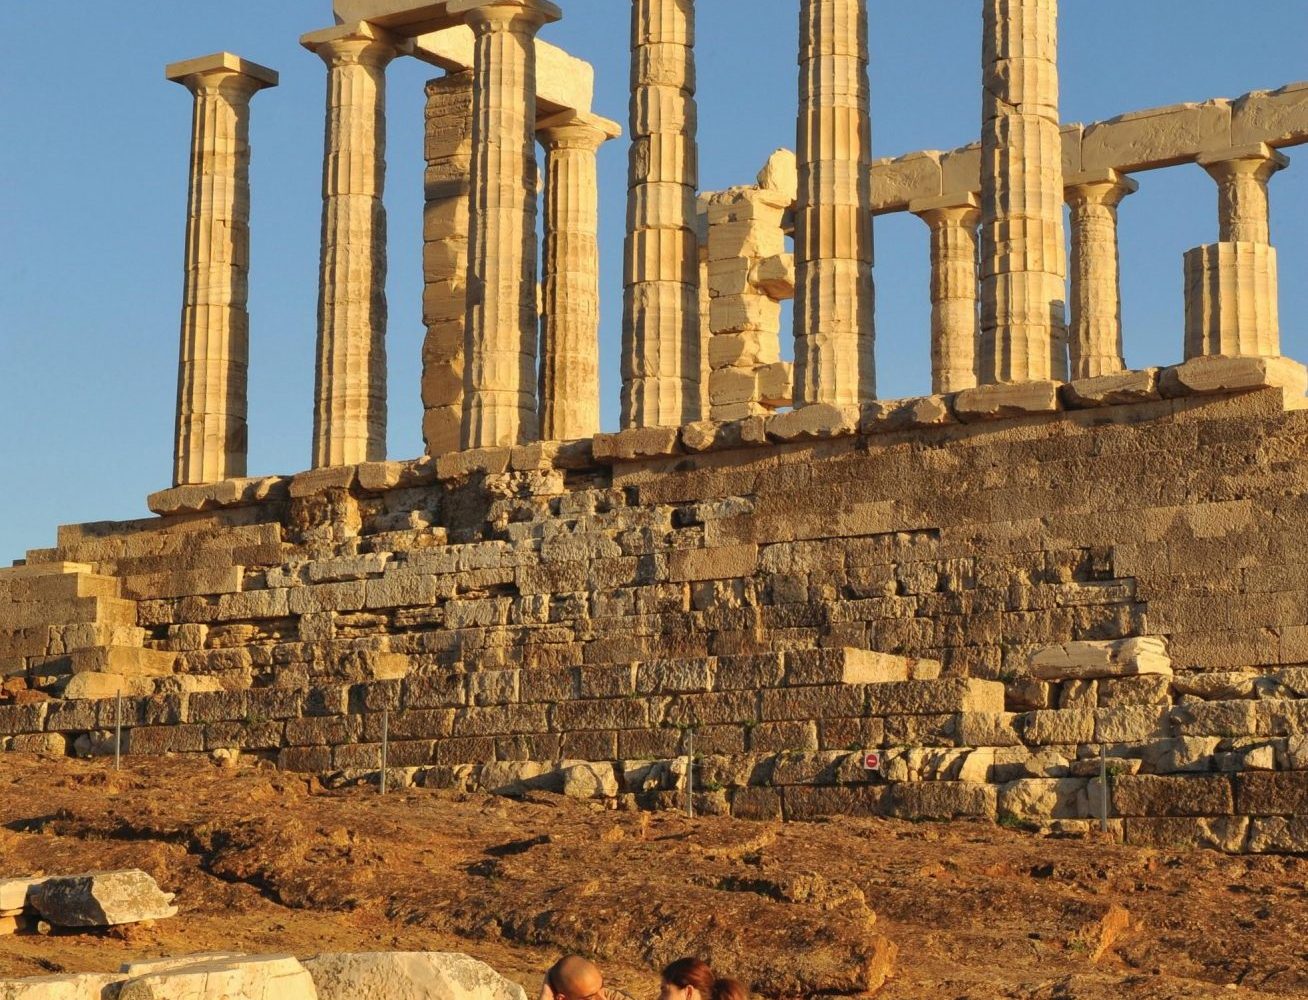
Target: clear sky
93, 161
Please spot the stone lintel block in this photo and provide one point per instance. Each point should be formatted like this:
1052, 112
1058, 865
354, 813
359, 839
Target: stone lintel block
1214, 375
1091, 660
635, 443
1156, 137
315, 481
473, 461
815, 422
1277, 117
885, 416
216, 496
1117, 389
1007, 400
179, 71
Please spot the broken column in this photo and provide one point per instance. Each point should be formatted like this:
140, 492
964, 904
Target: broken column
953, 223
661, 350
1095, 336
499, 379
749, 275
569, 369
834, 298
212, 436
1023, 258
445, 258
1231, 305
349, 424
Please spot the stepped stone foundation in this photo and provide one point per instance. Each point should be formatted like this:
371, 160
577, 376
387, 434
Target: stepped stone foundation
987, 596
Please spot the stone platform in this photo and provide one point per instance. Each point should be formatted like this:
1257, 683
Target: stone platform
1043, 571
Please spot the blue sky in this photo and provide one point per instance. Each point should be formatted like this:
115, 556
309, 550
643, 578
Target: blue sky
93, 167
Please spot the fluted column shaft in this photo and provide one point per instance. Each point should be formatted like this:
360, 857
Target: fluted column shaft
445, 259
835, 334
662, 353
1023, 258
1095, 340
1243, 207
953, 292
569, 370
350, 394
211, 434
499, 383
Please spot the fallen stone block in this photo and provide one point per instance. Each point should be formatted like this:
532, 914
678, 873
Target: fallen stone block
885, 416
636, 442
1216, 374
93, 986
814, 422
100, 900
266, 977
1006, 400
1093, 660
408, 976
14, 891
1118, 389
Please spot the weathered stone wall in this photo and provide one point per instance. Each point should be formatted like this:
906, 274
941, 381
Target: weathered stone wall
517, 611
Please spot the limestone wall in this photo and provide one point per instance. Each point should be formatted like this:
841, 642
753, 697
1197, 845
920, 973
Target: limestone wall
518, 611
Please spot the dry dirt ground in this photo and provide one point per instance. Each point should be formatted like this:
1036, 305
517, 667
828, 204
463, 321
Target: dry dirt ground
266, 862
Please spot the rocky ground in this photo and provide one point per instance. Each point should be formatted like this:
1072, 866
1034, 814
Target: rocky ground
268, 862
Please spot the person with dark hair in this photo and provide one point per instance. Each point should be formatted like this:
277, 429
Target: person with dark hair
576, 978
693, 979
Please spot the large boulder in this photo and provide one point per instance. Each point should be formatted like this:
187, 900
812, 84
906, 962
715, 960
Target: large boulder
221, 977
100, 900
409, 976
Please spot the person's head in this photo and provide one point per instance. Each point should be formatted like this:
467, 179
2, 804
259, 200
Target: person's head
575, 978
693, 979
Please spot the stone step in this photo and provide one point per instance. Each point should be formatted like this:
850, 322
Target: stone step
41, 566
68, 611
59, 587
127, 661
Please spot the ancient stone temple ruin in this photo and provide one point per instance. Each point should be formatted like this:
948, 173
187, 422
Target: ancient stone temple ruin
1055, 590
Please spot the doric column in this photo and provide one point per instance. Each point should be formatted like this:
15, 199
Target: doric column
1242, 203
1095, 338
834, 297
349, 421
662, 353
1231, 305
1023, 258
445, 259
569, 369
953, 223
211, 438
499, 379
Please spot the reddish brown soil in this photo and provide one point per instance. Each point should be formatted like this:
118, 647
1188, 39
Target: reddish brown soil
265, 862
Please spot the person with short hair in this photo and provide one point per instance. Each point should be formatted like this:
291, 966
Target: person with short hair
576, 978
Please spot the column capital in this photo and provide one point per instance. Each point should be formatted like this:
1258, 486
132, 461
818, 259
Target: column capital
502, 15
958, 209
1104, 188
1257, 160
576, 130
360, 43
214, 70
